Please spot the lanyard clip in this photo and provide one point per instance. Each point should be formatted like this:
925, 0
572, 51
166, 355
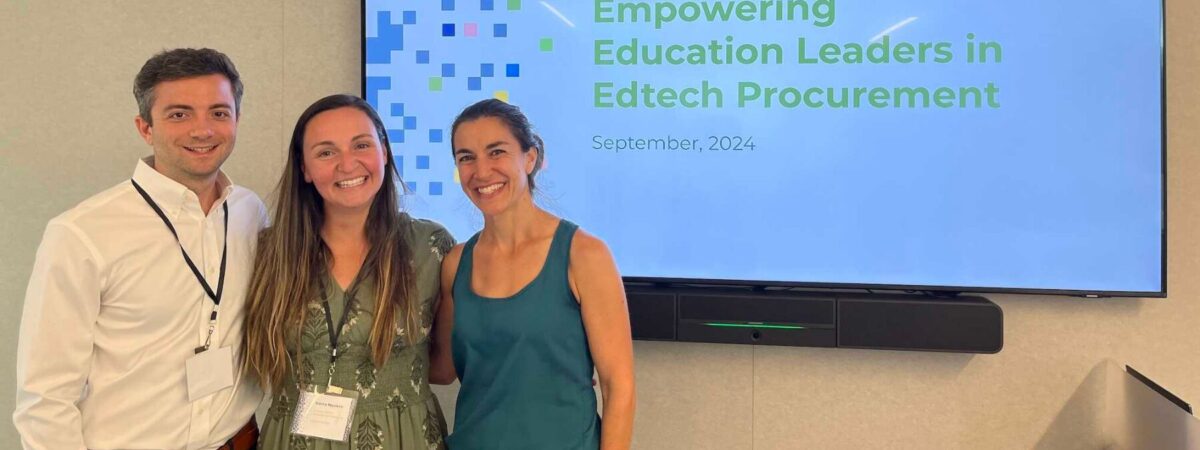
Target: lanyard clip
212, 325
329, 387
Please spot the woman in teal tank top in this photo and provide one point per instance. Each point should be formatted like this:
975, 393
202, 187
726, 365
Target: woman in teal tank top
530, 306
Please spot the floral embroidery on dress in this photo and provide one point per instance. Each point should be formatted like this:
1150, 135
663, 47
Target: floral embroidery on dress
397, 401
297, 442
279, 407
400, 342
314, 329
307, 370
440, 243
364, 381
418, 376
369, 435
433, 432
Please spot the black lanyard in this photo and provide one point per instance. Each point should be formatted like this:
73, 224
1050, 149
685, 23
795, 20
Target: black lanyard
215, 296
348, 296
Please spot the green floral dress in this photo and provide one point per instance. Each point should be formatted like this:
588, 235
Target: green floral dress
396, 409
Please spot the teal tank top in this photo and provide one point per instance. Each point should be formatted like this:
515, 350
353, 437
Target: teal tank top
523, 361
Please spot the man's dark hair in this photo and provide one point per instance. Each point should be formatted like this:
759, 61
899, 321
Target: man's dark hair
170, 65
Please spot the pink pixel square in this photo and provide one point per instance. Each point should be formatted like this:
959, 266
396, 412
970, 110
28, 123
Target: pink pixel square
470, 29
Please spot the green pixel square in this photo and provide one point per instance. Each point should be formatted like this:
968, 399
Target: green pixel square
546, 44
435, 83
514, 5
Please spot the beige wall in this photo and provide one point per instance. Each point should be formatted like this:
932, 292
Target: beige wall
66, 131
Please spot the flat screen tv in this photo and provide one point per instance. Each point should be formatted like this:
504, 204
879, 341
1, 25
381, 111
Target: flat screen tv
984, 146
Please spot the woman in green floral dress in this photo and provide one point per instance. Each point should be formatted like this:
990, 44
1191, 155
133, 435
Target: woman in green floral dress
339, 256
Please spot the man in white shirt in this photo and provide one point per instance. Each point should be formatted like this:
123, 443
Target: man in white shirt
132, 326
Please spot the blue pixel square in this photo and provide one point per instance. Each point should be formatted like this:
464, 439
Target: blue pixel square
397, 109
410, 17
500, 30
399, 161
435, 135
395, 136
448, 70
474, 83
412, 186
410, 123
390, 37
435, 188
487, 70
423, 162
374, 85
447, 29
512, 70
487, 5
447, 5
422, 56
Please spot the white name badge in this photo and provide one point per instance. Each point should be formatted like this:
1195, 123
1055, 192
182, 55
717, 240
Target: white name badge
208, 372
325, 415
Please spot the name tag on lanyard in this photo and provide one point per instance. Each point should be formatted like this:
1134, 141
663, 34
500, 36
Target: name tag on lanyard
208, 372
325, 413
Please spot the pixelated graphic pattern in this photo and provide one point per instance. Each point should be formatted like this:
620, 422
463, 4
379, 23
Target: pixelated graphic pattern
390, 37
408, 38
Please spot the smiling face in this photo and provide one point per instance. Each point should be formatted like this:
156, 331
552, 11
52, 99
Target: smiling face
492, 166
194, 128
344, 159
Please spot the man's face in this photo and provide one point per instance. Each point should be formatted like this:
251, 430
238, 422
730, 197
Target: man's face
194, 128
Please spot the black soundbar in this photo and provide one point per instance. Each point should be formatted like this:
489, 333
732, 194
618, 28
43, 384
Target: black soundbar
966, 324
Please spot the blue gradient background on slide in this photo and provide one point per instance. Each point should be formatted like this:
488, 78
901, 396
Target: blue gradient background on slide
1058, 188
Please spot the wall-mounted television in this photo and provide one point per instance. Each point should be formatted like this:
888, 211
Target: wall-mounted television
985, 146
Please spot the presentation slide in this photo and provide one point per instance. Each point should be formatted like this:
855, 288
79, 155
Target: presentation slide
982, 145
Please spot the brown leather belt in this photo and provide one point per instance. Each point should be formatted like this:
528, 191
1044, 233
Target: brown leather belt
245, 439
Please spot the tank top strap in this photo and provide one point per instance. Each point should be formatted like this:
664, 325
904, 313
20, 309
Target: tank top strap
559, 257
465, 261
560, 247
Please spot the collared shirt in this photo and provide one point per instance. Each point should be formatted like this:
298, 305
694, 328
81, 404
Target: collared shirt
112, 313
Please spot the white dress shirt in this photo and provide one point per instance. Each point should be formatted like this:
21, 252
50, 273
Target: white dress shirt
112, 313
